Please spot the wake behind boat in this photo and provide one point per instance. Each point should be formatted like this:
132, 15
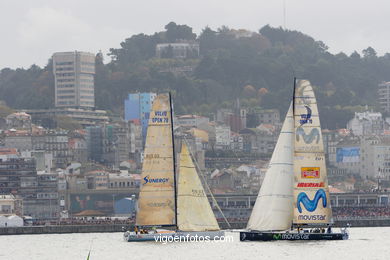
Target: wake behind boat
163, 203
293, 202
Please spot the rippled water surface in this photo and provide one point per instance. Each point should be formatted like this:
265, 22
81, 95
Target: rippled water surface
364, 243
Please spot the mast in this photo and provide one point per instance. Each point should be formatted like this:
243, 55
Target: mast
174, 158
293, 100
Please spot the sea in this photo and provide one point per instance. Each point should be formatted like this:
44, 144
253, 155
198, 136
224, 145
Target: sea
364, 243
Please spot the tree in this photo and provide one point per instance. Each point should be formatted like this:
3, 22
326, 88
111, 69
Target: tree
369, 53
176, 32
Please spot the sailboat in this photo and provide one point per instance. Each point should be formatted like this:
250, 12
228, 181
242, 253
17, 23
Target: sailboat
293, 202
167, 208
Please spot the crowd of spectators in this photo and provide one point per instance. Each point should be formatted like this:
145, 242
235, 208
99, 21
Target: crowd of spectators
361, 212
86, 221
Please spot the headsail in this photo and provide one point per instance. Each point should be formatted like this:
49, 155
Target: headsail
156, 204
273, 207
194, 210
311, 192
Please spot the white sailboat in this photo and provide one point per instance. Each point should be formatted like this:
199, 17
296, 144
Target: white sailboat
295, 189
186, 211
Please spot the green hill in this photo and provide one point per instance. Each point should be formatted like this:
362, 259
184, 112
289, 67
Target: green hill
256, 67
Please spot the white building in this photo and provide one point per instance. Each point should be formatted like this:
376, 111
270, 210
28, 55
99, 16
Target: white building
192, 120
222, 137
177, 50
375, 157
366, 123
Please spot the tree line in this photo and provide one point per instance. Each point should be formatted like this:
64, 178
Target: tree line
256, 67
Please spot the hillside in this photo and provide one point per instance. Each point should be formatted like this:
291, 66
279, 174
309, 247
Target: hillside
256, 67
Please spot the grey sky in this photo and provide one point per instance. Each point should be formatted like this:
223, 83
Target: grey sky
31, 30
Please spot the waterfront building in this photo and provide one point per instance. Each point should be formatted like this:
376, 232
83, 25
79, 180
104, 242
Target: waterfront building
222, 137
19, 120
39, 192
10, 205
236, 142
190, 121
78, 146
56, 142
137, 107
348, 155
331, 138
83, 116
367, 123
258, 140
269, 116
74, 79
19, 139
109, 144
375, 157
46, 205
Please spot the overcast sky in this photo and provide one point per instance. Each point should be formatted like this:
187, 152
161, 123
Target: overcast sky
31, 30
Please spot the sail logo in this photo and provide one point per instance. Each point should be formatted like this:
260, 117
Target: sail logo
310, 172
301, 98
155, 180
306, 118
311, 205
160, 117
308, 138
310, 185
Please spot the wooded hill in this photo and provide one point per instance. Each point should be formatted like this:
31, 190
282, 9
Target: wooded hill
256, 67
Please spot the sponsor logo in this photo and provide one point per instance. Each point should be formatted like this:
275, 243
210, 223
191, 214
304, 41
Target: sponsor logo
311, 217
167, 203
310, 185
311, 205
160, 117
301, 97
310, 172
155, 180
277, 236
306, 118
160, 113
295, 236
308, 138
198, 193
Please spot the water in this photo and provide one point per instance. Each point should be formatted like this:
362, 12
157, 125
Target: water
364, 243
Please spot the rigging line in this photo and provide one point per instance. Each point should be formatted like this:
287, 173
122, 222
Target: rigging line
200, 173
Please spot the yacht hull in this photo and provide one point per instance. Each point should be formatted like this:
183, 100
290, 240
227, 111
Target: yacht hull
270, 236
179, 236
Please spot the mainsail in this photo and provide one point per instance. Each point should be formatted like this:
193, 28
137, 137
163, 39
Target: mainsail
311, 192
156, 204
273, 208
194, 211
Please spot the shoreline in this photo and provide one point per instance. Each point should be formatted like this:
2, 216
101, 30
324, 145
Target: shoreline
106, 228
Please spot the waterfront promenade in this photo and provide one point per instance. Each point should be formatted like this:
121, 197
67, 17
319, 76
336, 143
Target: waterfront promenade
104, 227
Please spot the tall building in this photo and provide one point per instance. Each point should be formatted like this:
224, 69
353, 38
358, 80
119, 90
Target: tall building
137, 107
74, 79
384, 95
